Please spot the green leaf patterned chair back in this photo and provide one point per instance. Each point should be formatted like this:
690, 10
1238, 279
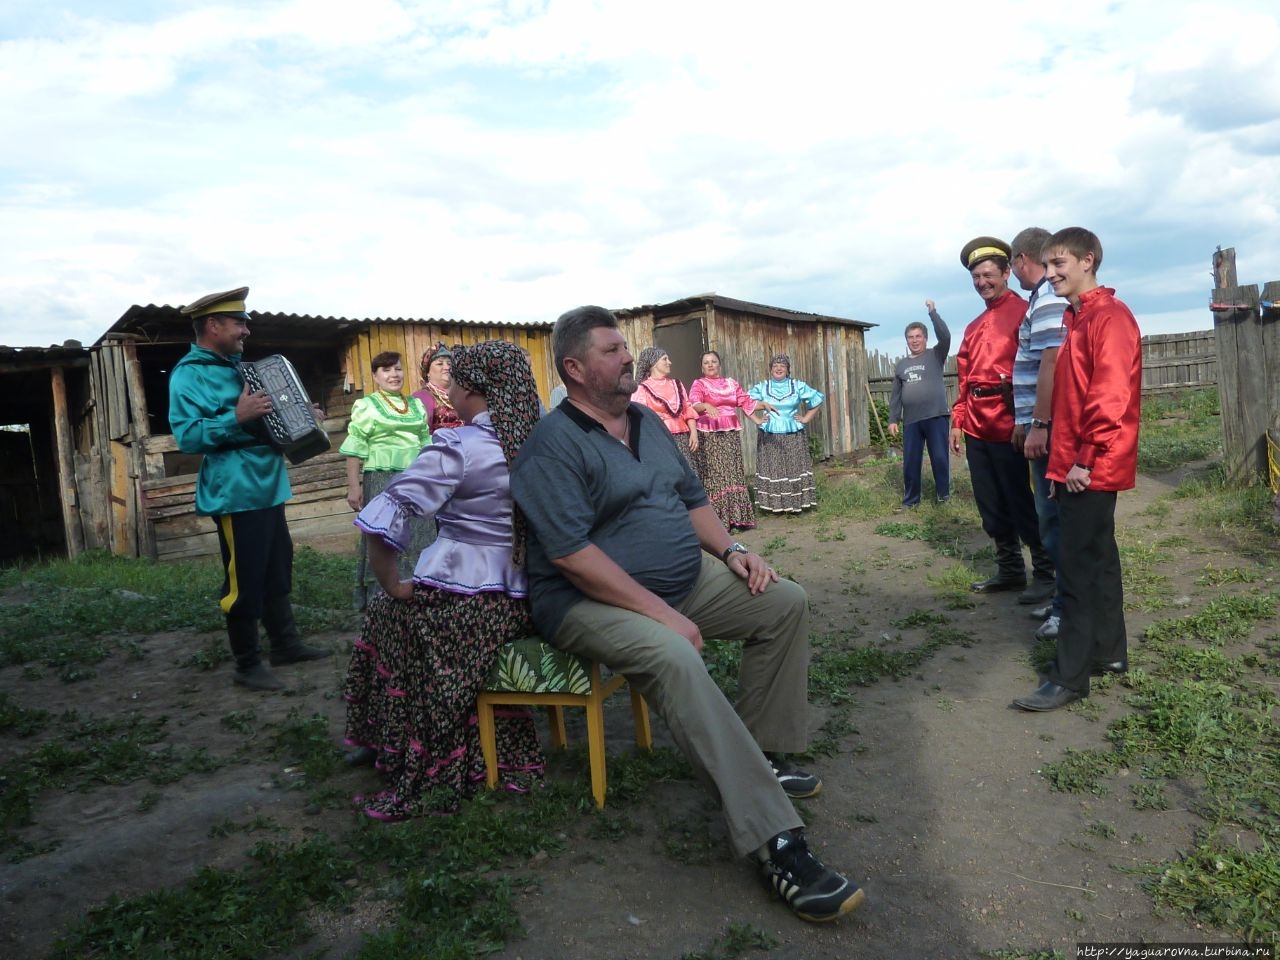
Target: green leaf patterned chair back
531, 672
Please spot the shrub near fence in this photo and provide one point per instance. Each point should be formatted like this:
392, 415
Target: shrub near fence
1170, 361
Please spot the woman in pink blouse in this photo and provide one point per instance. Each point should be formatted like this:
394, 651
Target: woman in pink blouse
667, 397
718, 461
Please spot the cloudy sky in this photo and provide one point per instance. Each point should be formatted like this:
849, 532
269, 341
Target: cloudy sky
504, 161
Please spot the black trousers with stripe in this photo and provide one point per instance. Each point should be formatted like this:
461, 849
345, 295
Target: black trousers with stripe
257, 568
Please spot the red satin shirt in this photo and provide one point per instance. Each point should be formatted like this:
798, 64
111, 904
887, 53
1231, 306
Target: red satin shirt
985, 361
1097, 393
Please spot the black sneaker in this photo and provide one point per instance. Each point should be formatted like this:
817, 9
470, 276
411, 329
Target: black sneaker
813, 891
796, 784
257, 677
298, 653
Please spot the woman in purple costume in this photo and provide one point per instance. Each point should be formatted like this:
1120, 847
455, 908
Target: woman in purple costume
429, 644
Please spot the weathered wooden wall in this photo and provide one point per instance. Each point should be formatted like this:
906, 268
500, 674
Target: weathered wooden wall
412, 340
1247, 331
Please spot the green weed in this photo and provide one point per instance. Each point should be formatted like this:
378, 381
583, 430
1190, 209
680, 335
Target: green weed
736, 940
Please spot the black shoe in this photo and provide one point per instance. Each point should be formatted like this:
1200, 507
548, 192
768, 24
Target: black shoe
998, 583
257, 677
815, 892
1038, 591
297, 654
1048, 696
797, 784
360, 757
1098, 668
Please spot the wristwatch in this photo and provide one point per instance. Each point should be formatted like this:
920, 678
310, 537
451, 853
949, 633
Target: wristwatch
1042, 424
732, 548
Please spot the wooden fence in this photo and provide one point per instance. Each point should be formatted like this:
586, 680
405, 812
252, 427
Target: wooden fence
1247, 329
1170, 361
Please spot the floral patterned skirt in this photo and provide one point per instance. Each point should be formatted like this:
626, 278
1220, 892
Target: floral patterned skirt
411, 691
718, 462
784, 472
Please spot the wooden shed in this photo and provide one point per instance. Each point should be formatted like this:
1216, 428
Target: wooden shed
828, 353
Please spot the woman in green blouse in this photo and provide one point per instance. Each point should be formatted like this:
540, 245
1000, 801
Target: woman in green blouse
386, 432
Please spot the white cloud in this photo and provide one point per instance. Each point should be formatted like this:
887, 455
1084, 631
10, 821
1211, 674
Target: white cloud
504, 160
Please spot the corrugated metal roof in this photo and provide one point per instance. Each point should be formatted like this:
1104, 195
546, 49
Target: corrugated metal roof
163, 322
43, 356
729, 303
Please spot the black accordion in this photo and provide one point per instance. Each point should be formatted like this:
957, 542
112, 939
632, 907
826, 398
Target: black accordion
291, 426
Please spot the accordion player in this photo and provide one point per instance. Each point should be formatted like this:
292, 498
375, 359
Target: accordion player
291, 426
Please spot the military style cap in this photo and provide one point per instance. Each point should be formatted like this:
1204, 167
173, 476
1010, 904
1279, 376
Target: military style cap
981, 248
229, 301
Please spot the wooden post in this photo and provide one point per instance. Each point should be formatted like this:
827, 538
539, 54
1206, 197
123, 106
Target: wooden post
1241, 383
66, 466
1224, 267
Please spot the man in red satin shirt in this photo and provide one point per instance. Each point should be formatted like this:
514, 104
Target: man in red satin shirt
982, 418
1097, 393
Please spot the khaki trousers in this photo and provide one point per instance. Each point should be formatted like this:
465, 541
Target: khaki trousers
723, 745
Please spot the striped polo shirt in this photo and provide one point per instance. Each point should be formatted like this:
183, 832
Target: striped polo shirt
1042, 329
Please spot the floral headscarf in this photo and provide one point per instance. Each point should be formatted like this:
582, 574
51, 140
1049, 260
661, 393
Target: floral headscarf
780, 358
500, 372
439, 350
644, 365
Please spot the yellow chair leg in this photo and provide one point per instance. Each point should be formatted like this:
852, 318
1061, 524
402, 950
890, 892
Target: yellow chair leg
488, 741
555, 720
595, 749
640, 714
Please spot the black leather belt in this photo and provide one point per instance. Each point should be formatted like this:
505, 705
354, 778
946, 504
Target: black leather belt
986, 391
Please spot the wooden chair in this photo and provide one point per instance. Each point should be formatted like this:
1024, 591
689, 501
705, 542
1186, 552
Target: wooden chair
530, 672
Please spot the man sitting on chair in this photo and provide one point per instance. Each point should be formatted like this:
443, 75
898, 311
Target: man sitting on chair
600, 480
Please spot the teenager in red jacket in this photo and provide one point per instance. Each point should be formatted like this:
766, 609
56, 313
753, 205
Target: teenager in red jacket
1093, 454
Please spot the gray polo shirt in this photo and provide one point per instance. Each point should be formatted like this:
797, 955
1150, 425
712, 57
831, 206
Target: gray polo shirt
577, 485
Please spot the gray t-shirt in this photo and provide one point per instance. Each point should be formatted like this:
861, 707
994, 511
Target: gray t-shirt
577, 485
919, 390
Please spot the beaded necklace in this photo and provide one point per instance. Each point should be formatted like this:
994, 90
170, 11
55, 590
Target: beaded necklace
768, 389
672, 413
391, 403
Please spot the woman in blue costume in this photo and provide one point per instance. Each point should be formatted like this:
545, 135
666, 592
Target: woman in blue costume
784, 467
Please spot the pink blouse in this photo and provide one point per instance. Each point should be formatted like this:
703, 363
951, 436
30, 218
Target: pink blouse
727, 395
669, 400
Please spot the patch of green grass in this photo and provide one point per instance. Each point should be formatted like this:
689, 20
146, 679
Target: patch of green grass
687, 839
20, 721
853, 497
838, 664
736, 940
237, 915
1149, 796
1214, 577
75, 613
1241, 514
1082, 771
1013, 953
1226, 887
953, 586
1222, 619
87, 752
1179, 428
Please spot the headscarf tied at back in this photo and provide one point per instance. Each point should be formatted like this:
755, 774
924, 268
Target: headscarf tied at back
644, 365
780, 358
500, 372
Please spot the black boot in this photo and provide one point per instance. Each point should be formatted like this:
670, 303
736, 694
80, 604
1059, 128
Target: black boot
286, 645
243, 633
1011, 574
1044, 582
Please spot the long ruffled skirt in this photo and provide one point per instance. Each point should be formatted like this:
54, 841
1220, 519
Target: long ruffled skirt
784, 473
411, 691
718, 462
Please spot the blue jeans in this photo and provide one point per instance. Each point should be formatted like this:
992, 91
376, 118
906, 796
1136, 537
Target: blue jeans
1050, 525
931, 433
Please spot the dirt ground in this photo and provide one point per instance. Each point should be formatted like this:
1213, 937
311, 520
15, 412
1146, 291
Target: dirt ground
934, 805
